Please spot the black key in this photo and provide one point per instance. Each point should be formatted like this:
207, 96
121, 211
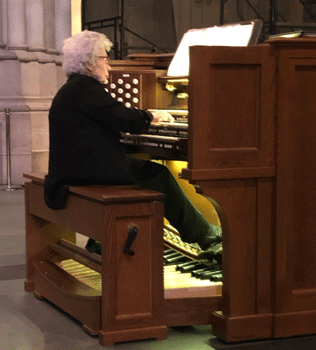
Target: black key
187, 263
208, 275
217, 278
190, 268
168, 251
170, 255
198, 272
210, 269
175, 259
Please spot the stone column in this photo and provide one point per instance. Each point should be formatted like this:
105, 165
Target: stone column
4, 54
62, 22
31, 73
13, 74
2, 44
35, 25
16, 25
35, 30
49, 26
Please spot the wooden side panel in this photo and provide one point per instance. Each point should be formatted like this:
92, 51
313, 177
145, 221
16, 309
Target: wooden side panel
232, 158
296, 190
132, 287
246, 218
231, 125
245, 209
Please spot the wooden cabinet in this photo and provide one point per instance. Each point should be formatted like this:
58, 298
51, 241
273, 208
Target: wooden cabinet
252, 140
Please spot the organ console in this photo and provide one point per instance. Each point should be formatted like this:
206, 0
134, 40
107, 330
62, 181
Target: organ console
245, 136
248, 150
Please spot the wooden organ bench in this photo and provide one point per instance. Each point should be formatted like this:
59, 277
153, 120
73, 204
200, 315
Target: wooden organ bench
129, 304
119, 296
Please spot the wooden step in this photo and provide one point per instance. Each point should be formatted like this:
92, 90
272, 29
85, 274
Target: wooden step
78, 299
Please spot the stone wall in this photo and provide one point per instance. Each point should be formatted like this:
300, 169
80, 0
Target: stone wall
31, 72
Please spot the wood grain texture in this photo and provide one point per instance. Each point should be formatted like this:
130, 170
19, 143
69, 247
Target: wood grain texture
260, 136
296, 189
230, 123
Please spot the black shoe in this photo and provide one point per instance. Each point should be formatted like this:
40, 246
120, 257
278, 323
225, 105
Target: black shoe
211, 241
213, 253
93, 246
212, 238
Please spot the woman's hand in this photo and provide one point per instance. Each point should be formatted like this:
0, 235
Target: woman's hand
162, 116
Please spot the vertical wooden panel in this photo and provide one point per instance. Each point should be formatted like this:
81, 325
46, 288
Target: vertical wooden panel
231, 125
296, 258
265, 239
132, 274
232, 156
246, 220
236, 97
237, 199
132, 287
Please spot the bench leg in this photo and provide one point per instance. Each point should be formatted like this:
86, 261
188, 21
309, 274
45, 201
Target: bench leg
39, 234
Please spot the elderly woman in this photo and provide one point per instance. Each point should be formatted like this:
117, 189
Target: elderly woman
85, 123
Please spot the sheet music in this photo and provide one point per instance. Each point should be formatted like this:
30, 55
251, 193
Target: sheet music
230, 35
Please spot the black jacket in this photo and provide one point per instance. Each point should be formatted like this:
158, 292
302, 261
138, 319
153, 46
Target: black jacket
84, 129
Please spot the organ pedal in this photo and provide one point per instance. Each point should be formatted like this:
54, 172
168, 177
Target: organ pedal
71, 278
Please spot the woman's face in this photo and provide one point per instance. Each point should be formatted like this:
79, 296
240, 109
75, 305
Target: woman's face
101, 69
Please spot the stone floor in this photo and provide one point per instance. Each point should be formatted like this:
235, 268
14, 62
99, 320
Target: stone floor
29, 324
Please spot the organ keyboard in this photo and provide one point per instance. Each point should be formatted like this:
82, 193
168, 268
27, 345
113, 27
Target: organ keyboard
164, 147
169, 129
163, 140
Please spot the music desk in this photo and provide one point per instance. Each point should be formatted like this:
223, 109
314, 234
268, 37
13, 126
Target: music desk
131, 305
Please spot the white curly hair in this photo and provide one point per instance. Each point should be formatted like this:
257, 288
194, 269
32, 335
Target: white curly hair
80, 51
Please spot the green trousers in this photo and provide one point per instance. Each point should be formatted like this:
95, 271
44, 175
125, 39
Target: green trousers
179, 210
